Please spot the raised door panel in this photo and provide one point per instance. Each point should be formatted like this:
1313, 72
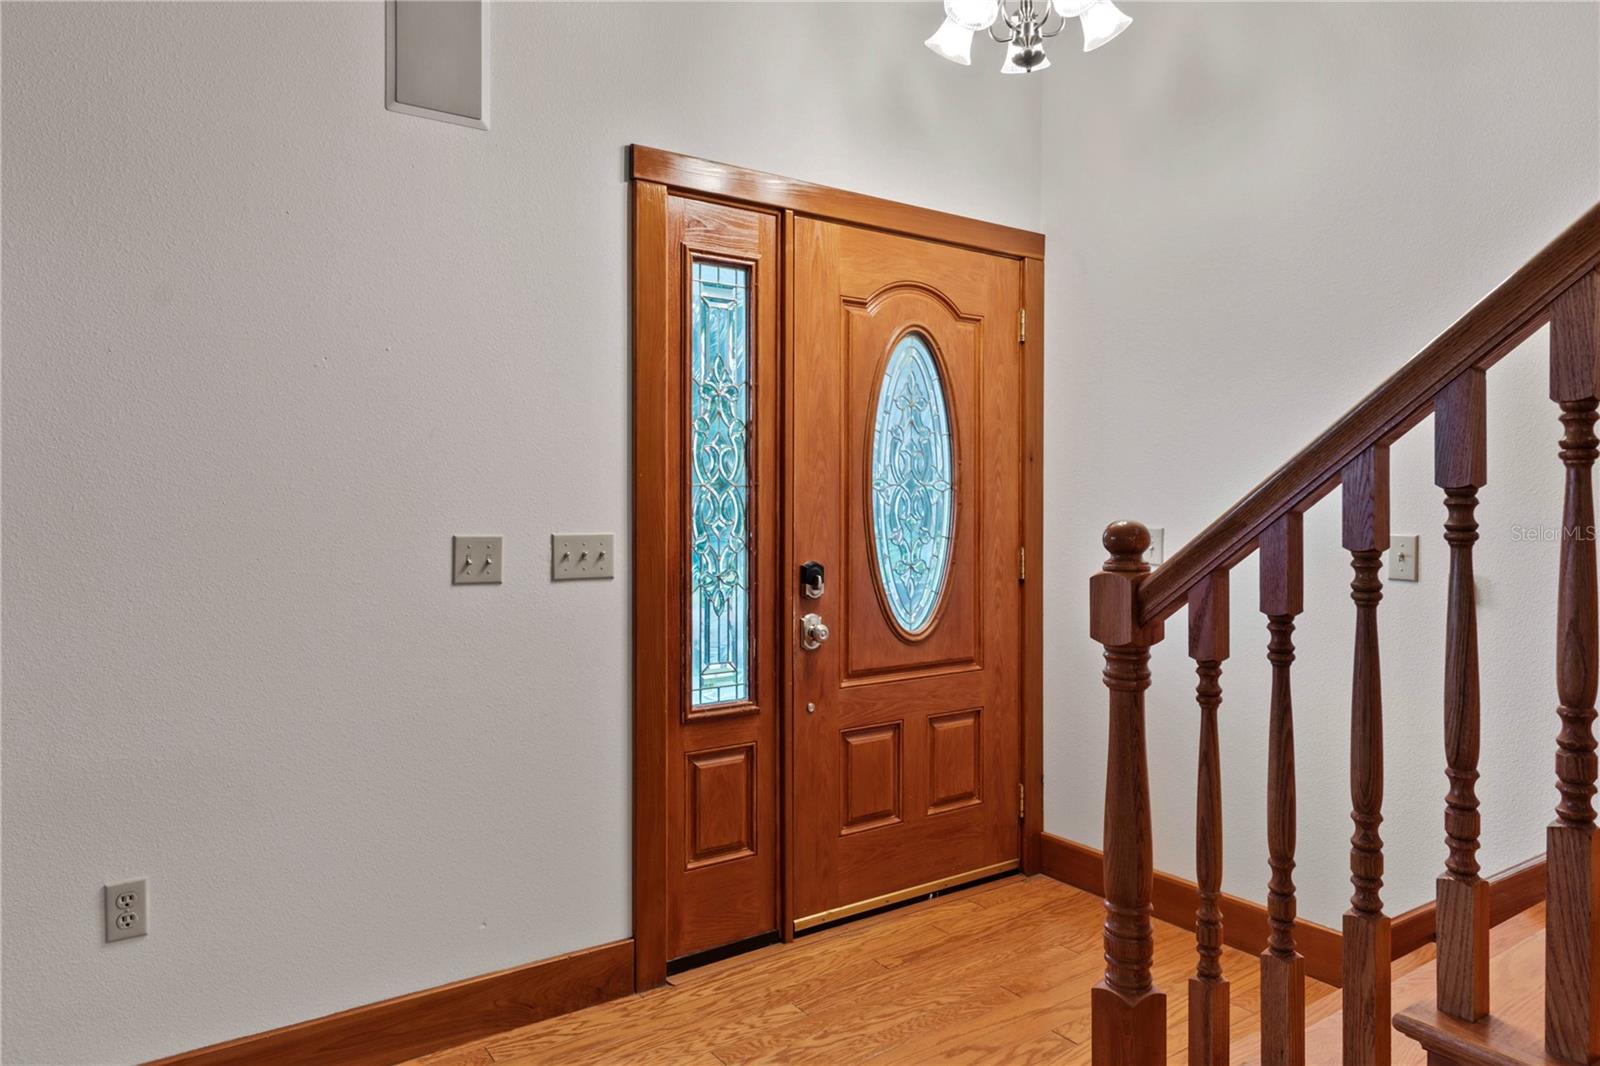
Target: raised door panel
955, 760
721, 805
870, 763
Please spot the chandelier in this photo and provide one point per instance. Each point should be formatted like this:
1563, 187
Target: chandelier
1023, 26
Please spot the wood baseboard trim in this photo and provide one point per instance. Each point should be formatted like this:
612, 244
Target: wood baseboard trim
405, 1027
1511, 891
1244, 924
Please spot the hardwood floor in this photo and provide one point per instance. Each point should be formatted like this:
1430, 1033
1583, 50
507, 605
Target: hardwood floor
997, 974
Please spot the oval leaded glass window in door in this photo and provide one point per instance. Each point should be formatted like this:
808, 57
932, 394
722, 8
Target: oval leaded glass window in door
719, 629
913, 485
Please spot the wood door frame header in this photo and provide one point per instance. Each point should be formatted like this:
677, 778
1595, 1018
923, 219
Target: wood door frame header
654, 176
741, 185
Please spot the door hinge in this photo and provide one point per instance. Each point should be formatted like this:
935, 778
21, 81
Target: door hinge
1022, 801
1022, 325
1022, 564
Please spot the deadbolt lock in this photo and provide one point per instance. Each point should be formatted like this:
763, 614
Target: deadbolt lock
811, 575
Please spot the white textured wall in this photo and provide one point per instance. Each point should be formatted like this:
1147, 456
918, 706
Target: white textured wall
267, 346
1255, 213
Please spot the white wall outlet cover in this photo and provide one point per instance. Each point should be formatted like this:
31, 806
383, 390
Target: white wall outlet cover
475, 560
127, 910
581, 556
1403, 557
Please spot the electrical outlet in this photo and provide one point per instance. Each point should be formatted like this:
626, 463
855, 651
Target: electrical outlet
1403, 558
576, 556
476, 561
127, 910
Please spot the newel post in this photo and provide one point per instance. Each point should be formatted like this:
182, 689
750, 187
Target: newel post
1129, 1013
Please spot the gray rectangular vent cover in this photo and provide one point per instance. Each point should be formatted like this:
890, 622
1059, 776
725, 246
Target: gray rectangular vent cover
438, 60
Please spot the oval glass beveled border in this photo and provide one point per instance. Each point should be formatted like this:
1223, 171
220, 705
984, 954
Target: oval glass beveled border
929, 352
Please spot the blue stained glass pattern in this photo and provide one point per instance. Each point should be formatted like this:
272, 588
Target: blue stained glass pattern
913, 491
719, 486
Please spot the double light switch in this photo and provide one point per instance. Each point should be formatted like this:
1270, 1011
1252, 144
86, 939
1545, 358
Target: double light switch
476, 561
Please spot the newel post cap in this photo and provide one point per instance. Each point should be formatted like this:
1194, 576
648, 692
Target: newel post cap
1113, 592
1127, 541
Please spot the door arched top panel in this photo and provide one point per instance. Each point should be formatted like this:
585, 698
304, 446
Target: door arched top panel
912, 482
943, 302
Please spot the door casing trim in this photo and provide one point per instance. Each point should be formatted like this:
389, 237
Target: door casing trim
655, 175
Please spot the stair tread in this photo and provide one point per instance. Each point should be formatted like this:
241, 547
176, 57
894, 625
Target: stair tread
1514, 1030
1516, 995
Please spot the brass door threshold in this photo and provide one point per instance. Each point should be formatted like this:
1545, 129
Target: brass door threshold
811, 921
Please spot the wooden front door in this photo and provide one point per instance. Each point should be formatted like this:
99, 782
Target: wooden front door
905, 457
824, 377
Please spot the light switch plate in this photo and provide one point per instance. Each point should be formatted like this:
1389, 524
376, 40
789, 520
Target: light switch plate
580, 556
1156, 554
476, 561
1403, 558
127, 910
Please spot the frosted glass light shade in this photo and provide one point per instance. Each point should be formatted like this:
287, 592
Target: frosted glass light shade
972, 14
1024, 59
953, 42
1071, 9
1101, 23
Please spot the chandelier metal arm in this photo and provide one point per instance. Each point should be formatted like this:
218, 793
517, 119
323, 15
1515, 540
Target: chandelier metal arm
1014, 21
1061, 22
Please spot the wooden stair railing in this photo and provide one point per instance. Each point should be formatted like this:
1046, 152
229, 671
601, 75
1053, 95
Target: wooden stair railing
1128, 607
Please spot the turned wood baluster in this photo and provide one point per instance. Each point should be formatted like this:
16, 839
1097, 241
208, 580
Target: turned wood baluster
1366, 928
1283, 982
1208, 990
1572, 942
1460, 463
1129, 1015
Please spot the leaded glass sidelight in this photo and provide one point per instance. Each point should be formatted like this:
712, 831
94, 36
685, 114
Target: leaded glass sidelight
913, 490
719, 623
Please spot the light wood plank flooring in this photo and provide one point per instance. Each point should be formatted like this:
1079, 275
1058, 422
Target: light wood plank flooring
997, 974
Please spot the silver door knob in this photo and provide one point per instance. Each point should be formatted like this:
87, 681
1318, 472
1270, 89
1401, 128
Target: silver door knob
813, 631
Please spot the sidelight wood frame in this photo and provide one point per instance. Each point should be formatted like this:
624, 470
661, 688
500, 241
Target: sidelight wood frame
657, 494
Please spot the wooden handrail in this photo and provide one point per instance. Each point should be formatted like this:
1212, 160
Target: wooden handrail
1495, 325
1128, 605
